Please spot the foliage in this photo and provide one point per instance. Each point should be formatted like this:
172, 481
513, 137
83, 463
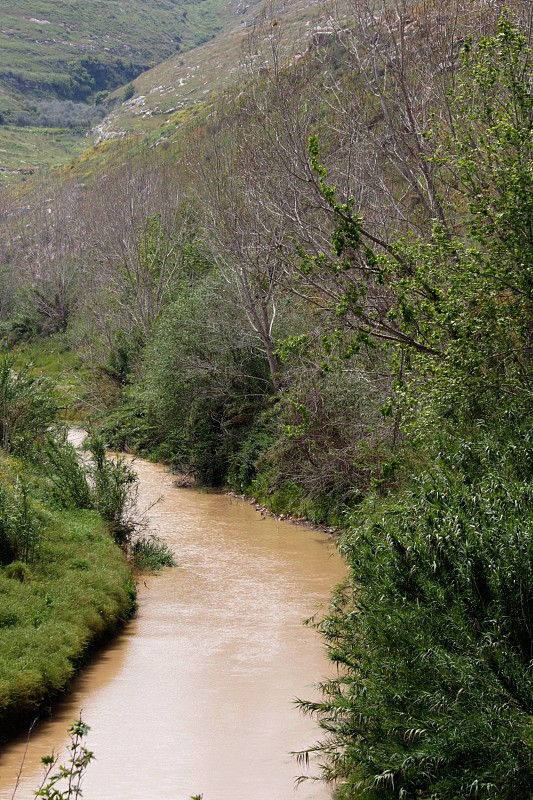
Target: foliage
27, 409
114, 491
204, 380
458, 302
432, 634
255, 443
150, 553
19, 524
68, 476
72, 773
77, 591
61, 114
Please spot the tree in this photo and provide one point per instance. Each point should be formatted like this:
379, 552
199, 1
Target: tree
42, 242
432, 634
457, 304
136, 232
204, 378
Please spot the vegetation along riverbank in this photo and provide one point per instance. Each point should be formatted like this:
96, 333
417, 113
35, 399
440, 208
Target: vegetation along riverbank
317, 290
66, 546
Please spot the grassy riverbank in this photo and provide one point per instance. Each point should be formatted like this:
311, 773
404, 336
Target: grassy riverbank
55, 609
65, 529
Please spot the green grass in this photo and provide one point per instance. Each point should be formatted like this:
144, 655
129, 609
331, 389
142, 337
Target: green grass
172, 86
78, 590
24, 150
77, 389
53, 358
42, 44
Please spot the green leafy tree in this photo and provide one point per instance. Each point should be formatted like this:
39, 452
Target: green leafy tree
458, 302
432, 634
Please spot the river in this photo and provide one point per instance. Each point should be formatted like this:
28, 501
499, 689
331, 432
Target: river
196, 695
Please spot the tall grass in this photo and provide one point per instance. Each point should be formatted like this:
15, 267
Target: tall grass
19, 524
27, 409
78, 590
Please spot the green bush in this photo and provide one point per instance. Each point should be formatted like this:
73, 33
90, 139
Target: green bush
255, 442
150, 553
433, 634
70, 487
27, 409
202, 382
114, 491
19, 524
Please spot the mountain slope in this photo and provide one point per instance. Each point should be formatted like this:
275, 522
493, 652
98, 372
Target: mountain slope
185, 80
60, 59
71, 50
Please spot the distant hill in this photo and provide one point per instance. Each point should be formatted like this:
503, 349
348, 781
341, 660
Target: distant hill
185, 80
59, 59
74, 49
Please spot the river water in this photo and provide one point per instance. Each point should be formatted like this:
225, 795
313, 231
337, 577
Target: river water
196, 695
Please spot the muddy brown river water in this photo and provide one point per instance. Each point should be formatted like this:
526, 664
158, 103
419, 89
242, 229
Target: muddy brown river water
196, 695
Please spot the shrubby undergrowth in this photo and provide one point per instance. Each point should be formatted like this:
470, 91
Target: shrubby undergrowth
64, 583
432, 635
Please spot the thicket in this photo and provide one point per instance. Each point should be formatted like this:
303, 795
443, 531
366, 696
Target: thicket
432, 633
61, 114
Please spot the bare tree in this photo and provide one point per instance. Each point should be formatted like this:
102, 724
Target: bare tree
135, 224
41, 236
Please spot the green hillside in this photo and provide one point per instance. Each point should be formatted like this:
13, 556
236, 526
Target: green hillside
60, 60
185, 80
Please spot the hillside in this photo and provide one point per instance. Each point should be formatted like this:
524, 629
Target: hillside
185, 80
59, 61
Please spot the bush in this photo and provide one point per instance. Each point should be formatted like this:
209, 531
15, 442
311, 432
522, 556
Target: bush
128, 93
61, 114
68, 476
243, 463
115, 492
433, 635
27, 409
107, 485
19, 525
150, 553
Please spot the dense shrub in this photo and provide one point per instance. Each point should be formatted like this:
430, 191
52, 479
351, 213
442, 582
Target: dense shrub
150, 553
114, 486
19, 524
433, 634
27, 409
61, 114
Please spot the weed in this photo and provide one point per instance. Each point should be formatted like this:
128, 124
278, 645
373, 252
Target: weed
18, 571
63, 782
150, 553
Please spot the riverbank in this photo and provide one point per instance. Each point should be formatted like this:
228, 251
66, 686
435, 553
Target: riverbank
55, 610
